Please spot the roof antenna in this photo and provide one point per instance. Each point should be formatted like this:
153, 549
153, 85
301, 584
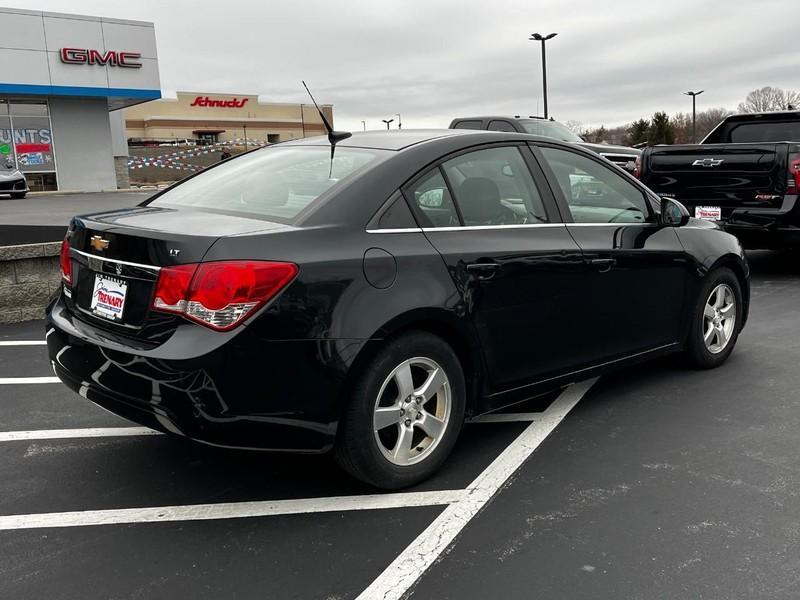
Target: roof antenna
333, 136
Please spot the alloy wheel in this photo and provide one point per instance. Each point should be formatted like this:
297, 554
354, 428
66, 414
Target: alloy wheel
412, 411
719, 318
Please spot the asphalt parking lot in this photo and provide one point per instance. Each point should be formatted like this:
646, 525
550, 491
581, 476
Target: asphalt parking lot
656, 482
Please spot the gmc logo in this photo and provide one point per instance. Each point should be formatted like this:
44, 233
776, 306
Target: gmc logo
206, 101
114, 58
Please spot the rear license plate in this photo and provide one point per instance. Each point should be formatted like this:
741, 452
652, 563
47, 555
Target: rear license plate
108, 297
708, 213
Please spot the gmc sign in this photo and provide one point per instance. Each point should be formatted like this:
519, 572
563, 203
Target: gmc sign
88, 56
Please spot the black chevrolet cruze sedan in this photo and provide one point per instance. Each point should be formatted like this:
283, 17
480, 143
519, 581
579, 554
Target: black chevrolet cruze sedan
367, 302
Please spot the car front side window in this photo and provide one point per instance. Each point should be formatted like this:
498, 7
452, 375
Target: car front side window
595, 193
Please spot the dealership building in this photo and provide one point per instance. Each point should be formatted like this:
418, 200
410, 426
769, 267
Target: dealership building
209, 118
63, 83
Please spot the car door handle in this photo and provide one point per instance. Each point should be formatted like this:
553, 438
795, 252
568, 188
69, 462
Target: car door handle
603, 264
484, 270
487, 266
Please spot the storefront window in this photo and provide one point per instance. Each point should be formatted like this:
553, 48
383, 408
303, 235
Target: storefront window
26, 137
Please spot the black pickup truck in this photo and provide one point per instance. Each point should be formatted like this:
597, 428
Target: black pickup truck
745, 175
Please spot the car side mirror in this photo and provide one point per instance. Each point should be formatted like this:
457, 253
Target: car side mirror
673, 213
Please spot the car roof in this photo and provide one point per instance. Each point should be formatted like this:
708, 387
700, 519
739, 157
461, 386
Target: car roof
510, 117
382, 140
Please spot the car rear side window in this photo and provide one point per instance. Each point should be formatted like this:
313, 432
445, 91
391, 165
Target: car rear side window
494, 187
594, 192
275, 183
431, 201
501, 126
468, 125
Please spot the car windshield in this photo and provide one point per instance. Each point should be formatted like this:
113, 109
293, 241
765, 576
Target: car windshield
275, 183
551, 129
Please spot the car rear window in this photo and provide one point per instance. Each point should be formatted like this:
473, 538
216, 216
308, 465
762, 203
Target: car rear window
276, 183
776, 131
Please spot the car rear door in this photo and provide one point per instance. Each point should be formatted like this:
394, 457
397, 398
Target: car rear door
516, 266
634, 288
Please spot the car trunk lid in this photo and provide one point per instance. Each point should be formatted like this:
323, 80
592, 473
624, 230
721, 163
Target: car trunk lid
123, 251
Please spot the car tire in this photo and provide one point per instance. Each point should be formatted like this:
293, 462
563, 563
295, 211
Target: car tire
18, 195
711, 337
394, 432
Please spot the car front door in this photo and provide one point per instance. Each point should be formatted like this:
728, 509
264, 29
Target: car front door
513, 261
636, 268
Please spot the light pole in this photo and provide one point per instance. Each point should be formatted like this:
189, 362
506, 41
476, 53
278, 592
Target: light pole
537, 37
399, 122
244, 126
694, 96
387, 123
364, 125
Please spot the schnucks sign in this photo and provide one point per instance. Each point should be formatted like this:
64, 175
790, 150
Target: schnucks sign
229, 103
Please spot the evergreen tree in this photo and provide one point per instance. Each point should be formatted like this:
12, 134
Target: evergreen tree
661, 130
637, 132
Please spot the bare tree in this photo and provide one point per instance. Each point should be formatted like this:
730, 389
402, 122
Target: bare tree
575, 127
768, 99
710, 118
682, 123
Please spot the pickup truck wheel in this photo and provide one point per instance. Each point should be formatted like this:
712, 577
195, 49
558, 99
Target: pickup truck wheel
404, 414
716, 320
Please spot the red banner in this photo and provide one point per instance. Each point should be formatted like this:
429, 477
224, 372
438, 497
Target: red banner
25, 148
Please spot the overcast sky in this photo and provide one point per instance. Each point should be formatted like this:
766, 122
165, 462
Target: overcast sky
612, 62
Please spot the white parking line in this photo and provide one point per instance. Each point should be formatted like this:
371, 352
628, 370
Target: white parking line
64, 434
27, 380
23, 343
233, 510
507, 417
404, 572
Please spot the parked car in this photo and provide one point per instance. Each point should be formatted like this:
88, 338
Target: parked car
745, 175
366, 303
622, 156
12, 180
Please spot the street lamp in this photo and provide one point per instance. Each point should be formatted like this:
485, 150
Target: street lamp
387, 123
694, 96
399, 122
364, 125
244, 126
537, 37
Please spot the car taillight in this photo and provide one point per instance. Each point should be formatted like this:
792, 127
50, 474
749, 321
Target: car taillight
793, 181
220, 295
637, 167
66, 263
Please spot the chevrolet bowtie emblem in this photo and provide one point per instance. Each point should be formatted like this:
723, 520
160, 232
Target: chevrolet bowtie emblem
98, 243
707, 162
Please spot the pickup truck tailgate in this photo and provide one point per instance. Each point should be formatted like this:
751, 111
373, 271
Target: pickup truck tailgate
731, 176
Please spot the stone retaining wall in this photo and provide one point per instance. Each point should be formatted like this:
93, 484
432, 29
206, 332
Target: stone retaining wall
29, 276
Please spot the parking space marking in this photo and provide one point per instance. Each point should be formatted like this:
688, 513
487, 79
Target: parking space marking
64, 434
398, 579
23, 342
507, 417
232, 510
27, 380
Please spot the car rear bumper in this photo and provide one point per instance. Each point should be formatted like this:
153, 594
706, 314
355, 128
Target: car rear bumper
248, 393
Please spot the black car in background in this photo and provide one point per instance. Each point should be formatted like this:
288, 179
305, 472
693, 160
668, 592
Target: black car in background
745, 174
366, 303
622, 156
